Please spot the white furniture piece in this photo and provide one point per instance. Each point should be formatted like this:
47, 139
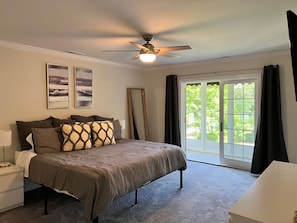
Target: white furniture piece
271, 199
5, 140
11, 187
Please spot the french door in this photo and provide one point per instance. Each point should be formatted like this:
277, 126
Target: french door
219, 119
238, 115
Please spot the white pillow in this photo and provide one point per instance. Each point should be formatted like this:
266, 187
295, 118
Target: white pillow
29, 139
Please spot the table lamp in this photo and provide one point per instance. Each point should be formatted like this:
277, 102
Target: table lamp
5, 140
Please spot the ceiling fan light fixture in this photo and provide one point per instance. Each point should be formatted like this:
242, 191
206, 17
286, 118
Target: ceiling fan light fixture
147, 57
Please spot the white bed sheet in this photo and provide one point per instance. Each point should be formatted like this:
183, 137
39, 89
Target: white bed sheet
23, 158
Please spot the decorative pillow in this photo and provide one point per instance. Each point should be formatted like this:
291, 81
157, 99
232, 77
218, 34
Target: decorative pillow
24, 129
102, 133
76, 137
100, 118
80, 118
47, 140
117, 129
57, 122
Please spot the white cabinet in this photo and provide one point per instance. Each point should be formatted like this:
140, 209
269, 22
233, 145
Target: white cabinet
271, 199
11, 187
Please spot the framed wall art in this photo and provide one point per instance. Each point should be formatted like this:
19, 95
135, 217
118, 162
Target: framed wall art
83, 87
57, 86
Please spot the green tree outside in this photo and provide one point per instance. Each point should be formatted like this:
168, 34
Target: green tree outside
242, 111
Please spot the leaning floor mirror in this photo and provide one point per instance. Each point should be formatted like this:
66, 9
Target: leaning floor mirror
138, 126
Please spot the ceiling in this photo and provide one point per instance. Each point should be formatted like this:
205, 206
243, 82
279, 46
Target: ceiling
213, 28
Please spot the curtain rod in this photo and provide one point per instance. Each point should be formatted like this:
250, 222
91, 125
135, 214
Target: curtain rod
222, 71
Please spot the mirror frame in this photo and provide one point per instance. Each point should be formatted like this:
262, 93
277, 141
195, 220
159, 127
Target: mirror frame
131, 127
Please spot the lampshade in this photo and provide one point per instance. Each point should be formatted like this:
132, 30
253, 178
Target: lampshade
147, 57
5, 138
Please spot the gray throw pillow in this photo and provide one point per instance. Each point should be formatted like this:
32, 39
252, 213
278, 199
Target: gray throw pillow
24, 129
47, 140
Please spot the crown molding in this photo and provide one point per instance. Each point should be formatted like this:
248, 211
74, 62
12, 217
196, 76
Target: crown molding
27, 48
273, 53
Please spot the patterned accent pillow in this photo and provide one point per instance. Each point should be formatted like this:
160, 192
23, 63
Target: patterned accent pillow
102, 133
76, 137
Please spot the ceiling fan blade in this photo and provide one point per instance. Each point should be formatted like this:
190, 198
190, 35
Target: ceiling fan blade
166, 54
139, 46
173, 48
123, 51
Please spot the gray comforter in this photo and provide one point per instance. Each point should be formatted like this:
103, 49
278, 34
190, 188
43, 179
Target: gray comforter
100, 175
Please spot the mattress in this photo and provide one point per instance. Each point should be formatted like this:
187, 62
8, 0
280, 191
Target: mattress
100, 175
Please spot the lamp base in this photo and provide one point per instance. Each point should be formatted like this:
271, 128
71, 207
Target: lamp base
6, 164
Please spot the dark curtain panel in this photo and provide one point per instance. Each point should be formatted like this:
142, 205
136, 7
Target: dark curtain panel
269, 143
172, 130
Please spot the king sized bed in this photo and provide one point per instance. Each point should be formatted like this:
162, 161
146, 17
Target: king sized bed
93, 165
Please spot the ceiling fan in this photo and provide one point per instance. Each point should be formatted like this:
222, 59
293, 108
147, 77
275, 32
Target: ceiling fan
147, 51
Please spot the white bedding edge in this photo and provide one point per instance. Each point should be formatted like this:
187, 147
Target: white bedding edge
23, 158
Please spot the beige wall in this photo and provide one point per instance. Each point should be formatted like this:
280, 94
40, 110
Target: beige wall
157, 78
23, 88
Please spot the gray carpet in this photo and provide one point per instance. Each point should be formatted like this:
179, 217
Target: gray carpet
208, 193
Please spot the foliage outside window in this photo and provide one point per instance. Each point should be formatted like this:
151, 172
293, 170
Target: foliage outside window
239, 109
193, 111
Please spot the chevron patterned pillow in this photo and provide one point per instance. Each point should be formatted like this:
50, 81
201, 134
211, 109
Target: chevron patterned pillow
76, 137
102, 133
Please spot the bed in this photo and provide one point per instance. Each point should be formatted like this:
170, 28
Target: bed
104, 168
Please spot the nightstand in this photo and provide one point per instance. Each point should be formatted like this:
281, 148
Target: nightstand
11, 187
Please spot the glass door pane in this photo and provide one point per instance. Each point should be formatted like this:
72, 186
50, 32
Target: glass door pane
238, 123
194, 117
202, 119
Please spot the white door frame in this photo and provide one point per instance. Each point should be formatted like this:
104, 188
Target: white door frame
239, 75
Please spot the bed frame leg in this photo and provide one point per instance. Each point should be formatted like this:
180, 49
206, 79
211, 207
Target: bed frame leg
181, 179
46, 191
135, 199
96, 220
